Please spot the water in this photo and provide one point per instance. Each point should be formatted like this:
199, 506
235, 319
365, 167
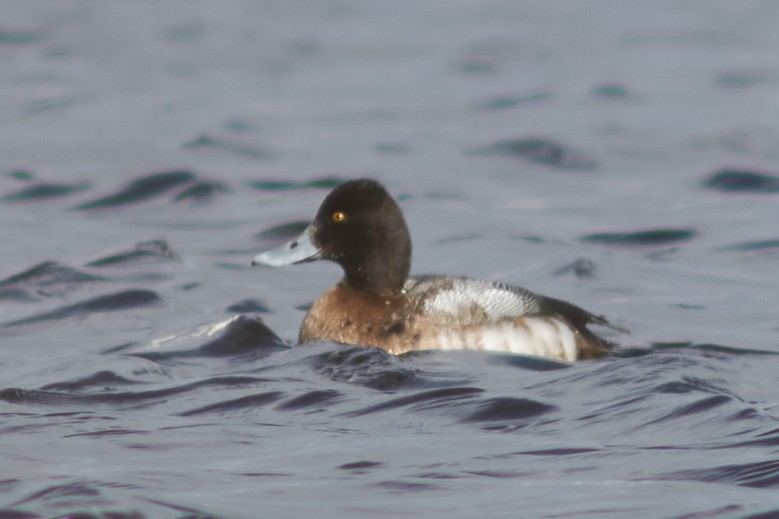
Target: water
619, 155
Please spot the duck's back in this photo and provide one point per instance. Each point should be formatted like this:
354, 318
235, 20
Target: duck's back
467, 301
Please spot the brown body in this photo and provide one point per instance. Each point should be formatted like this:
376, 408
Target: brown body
397, 325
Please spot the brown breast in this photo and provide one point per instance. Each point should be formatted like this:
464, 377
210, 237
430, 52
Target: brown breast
350, 317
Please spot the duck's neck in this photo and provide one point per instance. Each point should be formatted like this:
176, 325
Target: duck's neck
380, 279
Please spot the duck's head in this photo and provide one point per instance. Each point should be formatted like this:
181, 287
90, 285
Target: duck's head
360, 227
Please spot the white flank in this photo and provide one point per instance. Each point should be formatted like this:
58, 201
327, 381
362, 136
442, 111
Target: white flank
540, 336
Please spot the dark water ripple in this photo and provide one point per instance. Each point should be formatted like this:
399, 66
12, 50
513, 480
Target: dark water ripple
44, 191
142, 189
527, 363
766, 439
284, 185
644, 238
102, 380
201, 192
422, 401
666, 391
244, 335
757, 475
505, 101
48, 279
507, 408
701, 405
89, 500
689, 384
232, 146
250, 403
124, 300
366, 367
754, 246
16, 514
582, 268
321, 399
742, 181
741, 79
51, 103
123, 399
22, 174
712, 348
249, 306
70, 491
19, 35
611, 91
152, 251
360, 467
570, 451
540, 150
477, 65
392, 148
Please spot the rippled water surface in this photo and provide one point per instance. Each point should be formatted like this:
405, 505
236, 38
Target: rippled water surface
620, 155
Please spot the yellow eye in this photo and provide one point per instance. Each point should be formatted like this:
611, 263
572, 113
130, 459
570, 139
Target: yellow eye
339, 216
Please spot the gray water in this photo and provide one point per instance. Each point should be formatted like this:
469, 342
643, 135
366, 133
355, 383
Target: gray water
623, 156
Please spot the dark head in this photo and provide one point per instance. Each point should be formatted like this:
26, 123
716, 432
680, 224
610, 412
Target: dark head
360, 227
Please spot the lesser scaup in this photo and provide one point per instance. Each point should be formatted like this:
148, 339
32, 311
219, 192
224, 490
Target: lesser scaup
376, 303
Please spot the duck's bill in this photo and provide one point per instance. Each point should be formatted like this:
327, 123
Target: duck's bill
299, 250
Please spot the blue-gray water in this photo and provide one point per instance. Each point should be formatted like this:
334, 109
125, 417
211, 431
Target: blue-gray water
621, 155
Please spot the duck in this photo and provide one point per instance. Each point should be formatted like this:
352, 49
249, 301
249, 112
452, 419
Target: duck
378, 304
